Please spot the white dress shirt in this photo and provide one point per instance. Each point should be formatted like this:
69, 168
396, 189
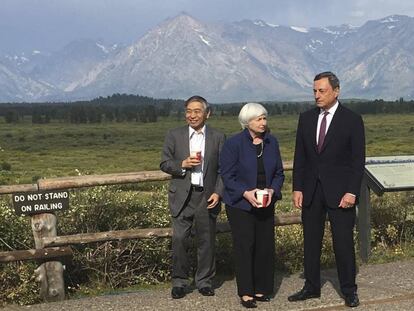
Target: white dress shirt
197, 143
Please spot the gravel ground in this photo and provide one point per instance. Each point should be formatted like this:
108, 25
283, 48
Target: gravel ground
388, 287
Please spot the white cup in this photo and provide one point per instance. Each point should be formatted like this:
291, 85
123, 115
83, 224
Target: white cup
196, 154
263, 197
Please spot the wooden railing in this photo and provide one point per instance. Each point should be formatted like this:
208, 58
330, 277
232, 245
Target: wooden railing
51, 248
85, 181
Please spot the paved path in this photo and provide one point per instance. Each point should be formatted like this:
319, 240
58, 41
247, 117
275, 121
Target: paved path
388, 287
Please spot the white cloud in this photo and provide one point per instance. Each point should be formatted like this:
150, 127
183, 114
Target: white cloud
357, 13
124, 21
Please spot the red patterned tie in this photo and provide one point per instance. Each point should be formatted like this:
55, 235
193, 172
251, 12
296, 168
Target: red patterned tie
322, 131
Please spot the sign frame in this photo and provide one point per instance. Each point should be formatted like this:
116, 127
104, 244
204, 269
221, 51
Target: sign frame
373, 180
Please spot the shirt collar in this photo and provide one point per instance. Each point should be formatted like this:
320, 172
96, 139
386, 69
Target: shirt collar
330, 110
192, 131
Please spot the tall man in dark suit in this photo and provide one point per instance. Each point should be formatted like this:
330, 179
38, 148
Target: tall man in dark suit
327, 171
191, 156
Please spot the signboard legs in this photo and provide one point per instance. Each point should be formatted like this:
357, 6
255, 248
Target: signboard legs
364, 221
49, 274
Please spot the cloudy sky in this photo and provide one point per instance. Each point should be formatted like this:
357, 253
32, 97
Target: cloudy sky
50, 24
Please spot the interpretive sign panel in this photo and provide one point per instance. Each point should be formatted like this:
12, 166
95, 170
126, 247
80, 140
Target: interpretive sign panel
40, 202
390, 173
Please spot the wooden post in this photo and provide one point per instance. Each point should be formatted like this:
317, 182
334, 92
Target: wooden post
49, 274
364, 221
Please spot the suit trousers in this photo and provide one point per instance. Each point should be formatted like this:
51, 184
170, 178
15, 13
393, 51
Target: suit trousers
195, 217
253, 235
342, 222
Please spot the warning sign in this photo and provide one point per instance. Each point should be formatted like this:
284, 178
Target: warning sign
40, 202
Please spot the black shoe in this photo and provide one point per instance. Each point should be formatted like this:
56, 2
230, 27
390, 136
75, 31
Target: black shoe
177, 292
352, 300
248, 303
263, 298
206, 291
304, 294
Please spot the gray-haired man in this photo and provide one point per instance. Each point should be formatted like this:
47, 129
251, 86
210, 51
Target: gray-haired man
191, 156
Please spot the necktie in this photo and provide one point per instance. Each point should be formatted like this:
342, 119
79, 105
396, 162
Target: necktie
322, 131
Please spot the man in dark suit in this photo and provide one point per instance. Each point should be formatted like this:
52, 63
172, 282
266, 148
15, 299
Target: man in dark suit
191, 156
327, 171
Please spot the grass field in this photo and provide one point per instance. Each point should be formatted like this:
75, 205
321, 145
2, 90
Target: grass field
63, 149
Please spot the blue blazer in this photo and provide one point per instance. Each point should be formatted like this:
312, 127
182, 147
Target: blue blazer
238, 165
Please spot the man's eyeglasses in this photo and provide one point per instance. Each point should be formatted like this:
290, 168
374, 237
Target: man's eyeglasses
195, 111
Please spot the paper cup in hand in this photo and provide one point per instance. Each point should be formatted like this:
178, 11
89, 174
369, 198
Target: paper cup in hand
196, 154
263, 197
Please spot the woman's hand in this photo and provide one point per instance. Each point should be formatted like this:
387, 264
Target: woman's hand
271, 192
251, 197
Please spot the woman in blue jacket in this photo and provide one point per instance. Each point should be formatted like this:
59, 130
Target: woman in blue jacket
250, 161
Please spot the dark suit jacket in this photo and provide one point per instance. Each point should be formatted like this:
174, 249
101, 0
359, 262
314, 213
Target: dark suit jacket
238, 162
339, 166
176, 149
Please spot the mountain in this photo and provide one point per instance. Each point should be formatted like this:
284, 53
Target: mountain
378, 59
240, 61
15, 85
70, 64
38, 76
181, 57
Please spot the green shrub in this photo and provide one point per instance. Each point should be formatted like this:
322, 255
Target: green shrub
15, 230
5, 166
17, 284
119, 264
392, 219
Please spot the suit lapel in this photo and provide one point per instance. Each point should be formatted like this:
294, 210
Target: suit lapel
184, 140
314, 123
207, 148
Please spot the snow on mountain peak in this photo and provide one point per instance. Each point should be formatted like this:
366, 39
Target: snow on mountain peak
260, 23
103, 48
272, 25
204, 40
333, 32
299, 29
389, 19
264, 24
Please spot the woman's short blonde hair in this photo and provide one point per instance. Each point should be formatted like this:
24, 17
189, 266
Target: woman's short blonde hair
250, 111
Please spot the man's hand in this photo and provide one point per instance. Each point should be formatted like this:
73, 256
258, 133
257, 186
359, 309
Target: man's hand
297, 198
190, 162
251, 197
213, 200
347, 201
